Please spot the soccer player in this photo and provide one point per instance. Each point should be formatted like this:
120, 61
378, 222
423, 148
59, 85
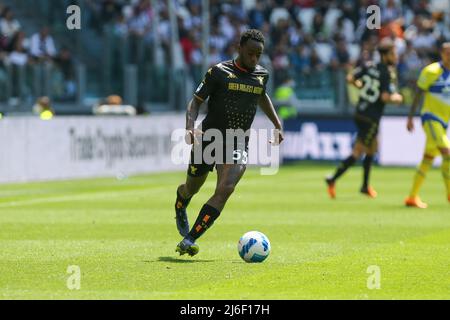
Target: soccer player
378, 86
433, 85
234, 88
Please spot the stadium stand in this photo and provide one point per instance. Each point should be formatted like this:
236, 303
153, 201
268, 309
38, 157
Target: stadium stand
313, 41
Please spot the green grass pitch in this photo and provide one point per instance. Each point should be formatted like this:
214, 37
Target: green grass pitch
122, 235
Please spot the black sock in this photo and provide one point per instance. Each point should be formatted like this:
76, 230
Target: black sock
182, 202
347, 163
205, 220
367, 164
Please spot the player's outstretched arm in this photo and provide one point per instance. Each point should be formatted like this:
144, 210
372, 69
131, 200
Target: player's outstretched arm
191, 115
418, 95
267, 106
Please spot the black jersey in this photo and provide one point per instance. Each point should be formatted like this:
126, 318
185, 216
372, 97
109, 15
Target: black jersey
376, 79
233, 95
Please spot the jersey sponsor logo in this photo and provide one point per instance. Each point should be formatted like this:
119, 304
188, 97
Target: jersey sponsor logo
233, 86
231, 76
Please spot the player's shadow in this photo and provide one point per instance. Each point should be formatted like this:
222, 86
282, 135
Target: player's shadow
176, 260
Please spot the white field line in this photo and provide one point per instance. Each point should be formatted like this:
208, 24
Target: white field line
81, 197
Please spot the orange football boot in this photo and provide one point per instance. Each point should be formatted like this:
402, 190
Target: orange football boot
370, 192
331, 188
415, 202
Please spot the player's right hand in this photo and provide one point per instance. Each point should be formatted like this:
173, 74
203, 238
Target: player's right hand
192, 135
410, 125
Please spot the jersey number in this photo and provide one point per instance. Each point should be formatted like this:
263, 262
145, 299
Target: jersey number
240, 155
371, 89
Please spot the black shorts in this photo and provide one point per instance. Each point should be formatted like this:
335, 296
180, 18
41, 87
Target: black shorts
367, 130
204, 156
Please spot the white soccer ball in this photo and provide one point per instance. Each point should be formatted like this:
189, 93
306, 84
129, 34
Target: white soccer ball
254, 246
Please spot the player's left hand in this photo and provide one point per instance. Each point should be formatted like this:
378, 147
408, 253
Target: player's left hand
279, 137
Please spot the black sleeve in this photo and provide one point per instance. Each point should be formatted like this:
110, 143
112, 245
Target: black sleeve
208, 85
358, 72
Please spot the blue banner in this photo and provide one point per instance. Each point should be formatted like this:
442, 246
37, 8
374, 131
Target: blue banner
318, 139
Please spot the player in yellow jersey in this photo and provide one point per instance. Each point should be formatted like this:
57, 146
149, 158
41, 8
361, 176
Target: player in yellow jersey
434, 86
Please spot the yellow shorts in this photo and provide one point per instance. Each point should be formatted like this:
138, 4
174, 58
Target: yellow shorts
437, 138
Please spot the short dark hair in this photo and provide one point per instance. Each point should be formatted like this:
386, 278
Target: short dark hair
385, 46
252, 34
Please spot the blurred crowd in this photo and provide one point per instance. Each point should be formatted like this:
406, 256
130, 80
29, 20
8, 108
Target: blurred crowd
305, 39
303, 36
21, 50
